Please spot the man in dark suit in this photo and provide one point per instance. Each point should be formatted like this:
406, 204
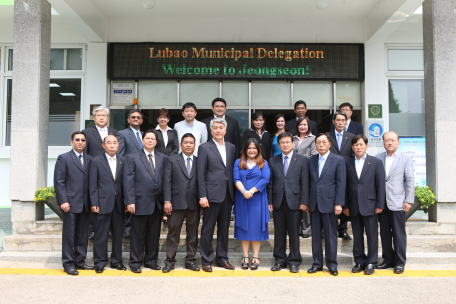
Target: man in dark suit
71, 183
327, 197
106, 199
232, 131
216, 191
300, 108
351, 126
288, 193
365, 199
180, 191
341, 145
143, 192
130, 141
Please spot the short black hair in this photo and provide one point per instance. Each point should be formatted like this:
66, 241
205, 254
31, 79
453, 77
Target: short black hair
134, 111
150, 131
76, 133
346, 104
284, 134
358, 137
339, 113
188, 105
218, 99
188, 135
300, 102
320, 135
257, 115
104, 139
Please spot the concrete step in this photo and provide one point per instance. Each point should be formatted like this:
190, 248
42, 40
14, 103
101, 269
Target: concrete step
415, 243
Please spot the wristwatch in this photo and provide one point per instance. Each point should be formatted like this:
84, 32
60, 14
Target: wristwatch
251, 191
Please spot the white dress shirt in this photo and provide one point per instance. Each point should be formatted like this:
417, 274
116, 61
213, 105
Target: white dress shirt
389, 162
359, 163
112, 165
164, 133
347, 125
198, 129
222, 150
289, 157
325, 157
77, 155
153, 156
103, 132
185, 160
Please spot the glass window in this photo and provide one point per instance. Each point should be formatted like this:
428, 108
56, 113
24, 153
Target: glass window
348, 91
406, 106
201, 93
271, 93
157, 93
61, 59
64, 110
405, 60
236, 92
74, 59
10, 59
57, 59
314, 93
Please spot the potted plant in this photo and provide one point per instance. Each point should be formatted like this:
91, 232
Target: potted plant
47, 195
424, 197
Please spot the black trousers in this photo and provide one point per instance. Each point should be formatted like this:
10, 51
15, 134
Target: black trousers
220, 214
370, 224
103, 223
175, 221
75, 238
144, 237
343, 220
392, 232
305, 224
327, 221
127, 222
285, 220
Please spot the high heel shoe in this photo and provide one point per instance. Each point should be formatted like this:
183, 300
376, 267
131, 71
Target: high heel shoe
244, 264
254, 265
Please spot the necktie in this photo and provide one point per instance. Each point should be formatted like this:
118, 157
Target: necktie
339, 140
346, 127
189, 168
80, 159
139, 141
285, 165
152, 164
113, 167
321, 163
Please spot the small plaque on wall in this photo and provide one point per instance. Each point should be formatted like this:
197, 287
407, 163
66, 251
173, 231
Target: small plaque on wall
89, 123
375, 111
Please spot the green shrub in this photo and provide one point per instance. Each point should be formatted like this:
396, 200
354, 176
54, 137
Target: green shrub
425, 196
42, 194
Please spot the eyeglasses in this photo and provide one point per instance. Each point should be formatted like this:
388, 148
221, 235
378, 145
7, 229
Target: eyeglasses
101, 115
285, 142
135, 117
79, 139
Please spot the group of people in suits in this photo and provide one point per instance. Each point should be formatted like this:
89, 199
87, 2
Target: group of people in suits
197, 168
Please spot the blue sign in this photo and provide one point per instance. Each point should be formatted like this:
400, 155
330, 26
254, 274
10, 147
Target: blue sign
415, 147
375, 130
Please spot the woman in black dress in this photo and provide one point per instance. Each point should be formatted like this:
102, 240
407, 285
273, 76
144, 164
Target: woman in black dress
258, 132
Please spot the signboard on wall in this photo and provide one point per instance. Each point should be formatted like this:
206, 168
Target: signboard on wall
236, 61
122, 93
375, 132
416, 148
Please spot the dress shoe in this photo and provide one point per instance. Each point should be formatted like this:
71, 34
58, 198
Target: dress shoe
333, 272
153, 266
207, 268
369, 269
167, 268
385, 266
71, 271
126, 235
226, 265
305, 236
277, 267
192, 266
135, 269
91, 235
119, 266
294, 269
398, 269
358, 268
99, 269
314, 269
345, 236
85, 267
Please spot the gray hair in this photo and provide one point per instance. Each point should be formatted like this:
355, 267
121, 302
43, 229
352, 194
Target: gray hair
100, 108
219, 120
383, 136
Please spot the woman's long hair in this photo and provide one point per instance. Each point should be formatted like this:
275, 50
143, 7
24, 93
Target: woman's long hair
275, 123
259, 159
298, 134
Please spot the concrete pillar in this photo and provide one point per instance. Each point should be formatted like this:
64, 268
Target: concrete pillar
439, 37
29, 111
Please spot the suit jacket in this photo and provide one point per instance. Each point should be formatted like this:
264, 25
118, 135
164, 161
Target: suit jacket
327, 190
367, 192
306, 147
94, 141
179, 188
291, 124
265, 141
400, 182
232, 132
294, 185
213, 175
140, 185
105, 191
346, 150
128, 143
354, 128
71, 181
172, 148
